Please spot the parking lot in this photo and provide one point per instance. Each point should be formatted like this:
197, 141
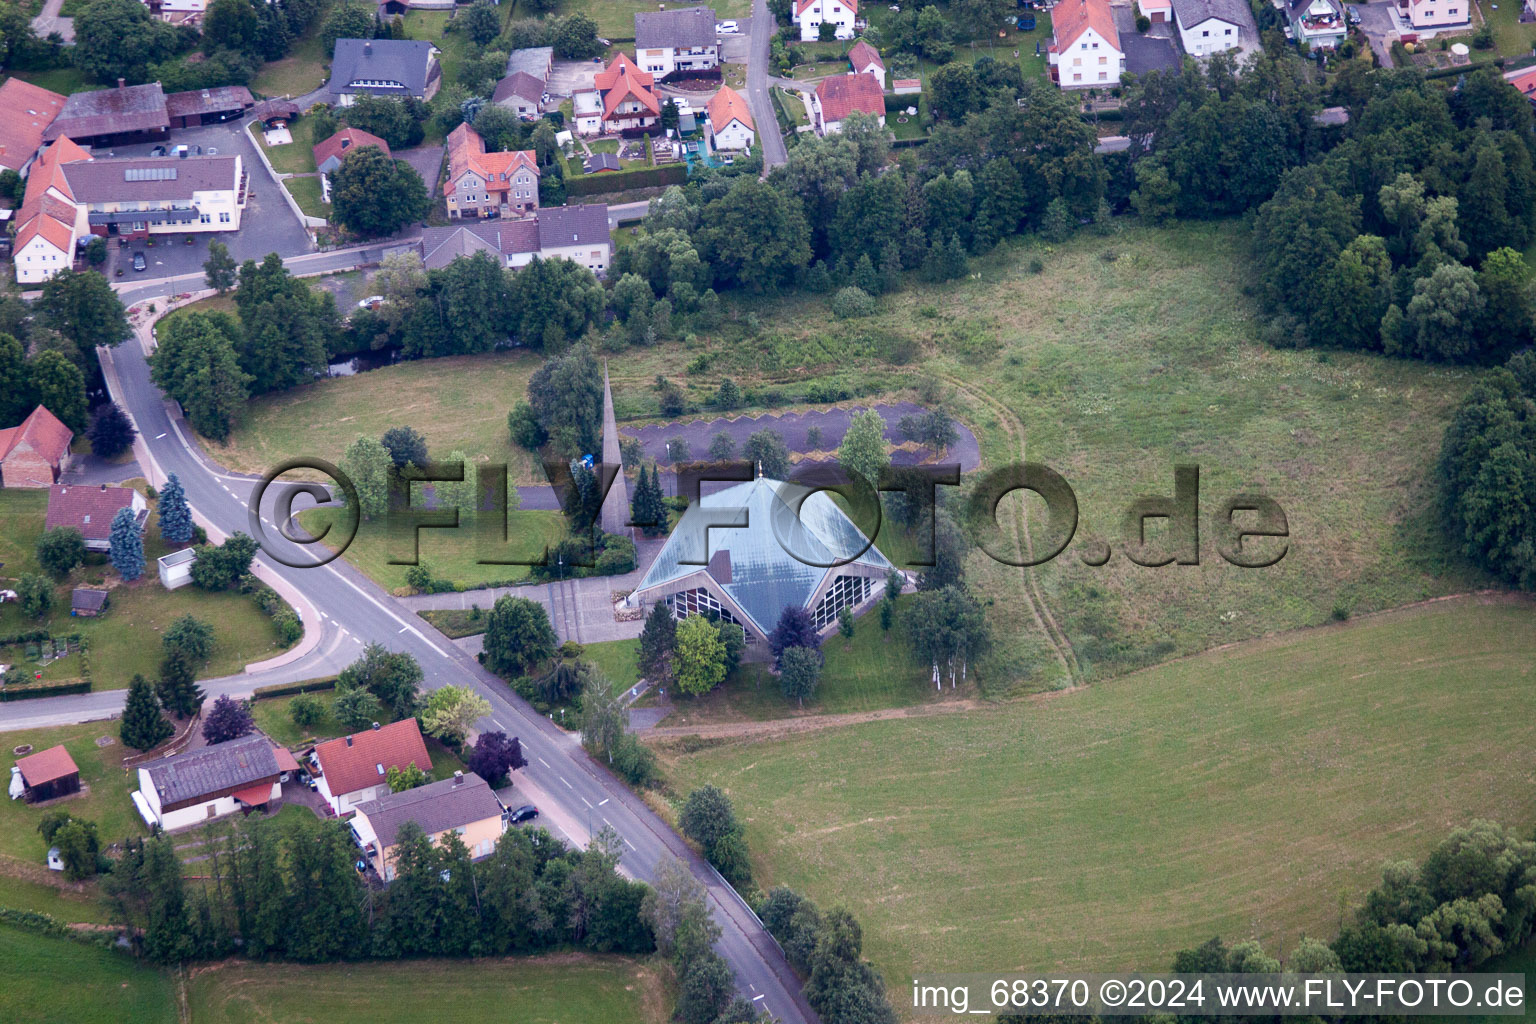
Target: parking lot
267, 225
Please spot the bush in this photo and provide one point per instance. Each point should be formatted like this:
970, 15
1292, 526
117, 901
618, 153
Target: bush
852, 302
36, 594
306, 710
188, 636
289, 628
60, 550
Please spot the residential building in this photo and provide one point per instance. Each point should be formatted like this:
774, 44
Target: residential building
521, 93
865, 60
773, 555
481, 184
48, 775
464, 805
113, 117
626, 103
207, 106
209, 782
730, 122
840, 95
384, 67
1212, 26
330, 151
811, 14
91, 510
1085, 52
26, 111
1433, 14
137, 197
678, 43
1318, 23
578, 233
177, 12
1523, 80
354, 768
35, 452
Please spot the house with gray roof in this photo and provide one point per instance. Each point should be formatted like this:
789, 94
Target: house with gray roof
209, 782
521, 93
747, 552
537, 61
578, 233
680, 43
384, 67
113, 117
1211, 26
464, 805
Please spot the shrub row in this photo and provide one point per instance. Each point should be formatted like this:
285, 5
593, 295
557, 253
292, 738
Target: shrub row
289, 689
618, 181
29, 690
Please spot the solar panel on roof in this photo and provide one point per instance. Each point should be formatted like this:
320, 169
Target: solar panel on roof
149, 174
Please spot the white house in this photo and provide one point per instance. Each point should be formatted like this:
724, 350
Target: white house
730, 122
1085, 52
1425, 14
1211, 26
810, 14
676, 42
837, 96
865, 60
209, 782
354, 769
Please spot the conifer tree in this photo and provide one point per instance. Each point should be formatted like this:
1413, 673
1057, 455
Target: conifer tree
143, 726
178, 689
127, 545
657, 641
175, 516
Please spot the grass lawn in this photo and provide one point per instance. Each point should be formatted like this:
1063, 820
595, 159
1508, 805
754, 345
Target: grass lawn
305, 67
904, 126
52, 980
1510, 37
60, 80
455, 623
451, 554
616, 659
126, 639
307, 192
459, 403
297, 157
1254, 791
104, 797
568, 989
616, 18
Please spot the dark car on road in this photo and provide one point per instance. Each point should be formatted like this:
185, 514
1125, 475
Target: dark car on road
1354, 14
527, 812
138, 261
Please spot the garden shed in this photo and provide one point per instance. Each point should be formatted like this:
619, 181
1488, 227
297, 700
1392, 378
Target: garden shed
176, 568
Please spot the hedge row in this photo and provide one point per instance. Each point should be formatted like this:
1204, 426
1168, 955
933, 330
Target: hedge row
31, 636
618, 181
28, 691
289, 689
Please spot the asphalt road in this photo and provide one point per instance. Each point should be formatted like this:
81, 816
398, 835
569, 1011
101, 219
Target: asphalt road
575, 795
763, 29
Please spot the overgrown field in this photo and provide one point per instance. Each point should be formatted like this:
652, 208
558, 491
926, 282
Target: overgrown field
547, 990
1254, 791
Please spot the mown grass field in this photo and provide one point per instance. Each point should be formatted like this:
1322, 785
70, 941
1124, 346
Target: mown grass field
616, 18
296, 157
1253, 791
105, 785
547, 990
125, 640
303, 70
52, 980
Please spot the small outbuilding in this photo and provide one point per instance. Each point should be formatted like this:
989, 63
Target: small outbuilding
599, 162
87, 603
48, 774
176, 568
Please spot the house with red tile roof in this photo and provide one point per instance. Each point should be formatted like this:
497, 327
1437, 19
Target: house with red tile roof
865, 60
91, 511
35, 452
625, 101
49, 221
481, 184
354, 769
1524, 80
730, 122
811, 14
329, 152
1085, 52
26, 111
840, 95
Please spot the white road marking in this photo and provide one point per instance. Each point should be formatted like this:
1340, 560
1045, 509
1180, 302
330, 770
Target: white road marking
159, 436
756, 998
498, 725
609, 823
603, 801
629, 844
585, 801
542, 761
567, 784
403, 629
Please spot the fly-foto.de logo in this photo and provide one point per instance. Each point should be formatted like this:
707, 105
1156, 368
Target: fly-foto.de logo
1248, 530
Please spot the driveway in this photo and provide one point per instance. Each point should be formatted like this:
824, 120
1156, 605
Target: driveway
1379, 23
761, 31
428, 162
267, 225
568, 77
48, 22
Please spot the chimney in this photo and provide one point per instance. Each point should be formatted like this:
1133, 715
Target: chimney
122, 82
375, 726
349, 741
368, 48
458, 778
103, 488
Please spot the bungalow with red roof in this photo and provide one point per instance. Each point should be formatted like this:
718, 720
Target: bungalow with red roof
810, 15
26, 111
1085, 52
355, 769
730, 122
91, 511
840, 95
34, 453
481, 184
624, 101
329, 152
1524, 80
865, 60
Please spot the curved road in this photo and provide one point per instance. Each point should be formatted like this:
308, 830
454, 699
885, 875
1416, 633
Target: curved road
576, 796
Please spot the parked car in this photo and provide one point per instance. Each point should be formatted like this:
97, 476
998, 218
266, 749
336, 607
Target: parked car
139, 263
1354, 15
728, 28
213, 151
371, 302
158, 151
527, 812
